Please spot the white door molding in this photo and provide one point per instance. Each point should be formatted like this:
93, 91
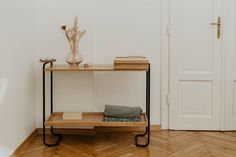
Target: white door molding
229, 116
165, 63
224, 46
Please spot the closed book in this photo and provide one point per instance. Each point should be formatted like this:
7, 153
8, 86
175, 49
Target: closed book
72, 116
131, 59
130, 66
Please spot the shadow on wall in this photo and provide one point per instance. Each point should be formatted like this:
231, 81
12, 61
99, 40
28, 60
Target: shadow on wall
3, 88
3, 151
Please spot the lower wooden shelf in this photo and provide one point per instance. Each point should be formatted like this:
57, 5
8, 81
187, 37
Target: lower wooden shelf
90, 119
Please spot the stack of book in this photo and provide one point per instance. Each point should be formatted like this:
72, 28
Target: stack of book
131, 63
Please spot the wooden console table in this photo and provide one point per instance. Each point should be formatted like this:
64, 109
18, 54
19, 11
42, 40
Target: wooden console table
91, 118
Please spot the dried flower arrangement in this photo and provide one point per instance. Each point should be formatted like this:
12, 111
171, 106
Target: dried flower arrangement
73, 35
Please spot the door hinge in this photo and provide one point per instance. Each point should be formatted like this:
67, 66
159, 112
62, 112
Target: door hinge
168, 99
168, 30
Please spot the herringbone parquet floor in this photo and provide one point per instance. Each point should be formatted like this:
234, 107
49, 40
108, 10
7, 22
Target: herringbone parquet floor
163, 144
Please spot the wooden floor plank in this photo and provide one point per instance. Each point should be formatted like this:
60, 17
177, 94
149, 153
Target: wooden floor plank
163, 144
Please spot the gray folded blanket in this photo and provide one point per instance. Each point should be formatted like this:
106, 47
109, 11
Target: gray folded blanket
122, 111
115, 119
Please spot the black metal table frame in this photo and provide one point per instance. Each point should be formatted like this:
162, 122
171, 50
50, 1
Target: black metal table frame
59, 136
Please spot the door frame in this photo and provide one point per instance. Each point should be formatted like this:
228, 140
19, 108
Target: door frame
165, 48
228, 45
165, 54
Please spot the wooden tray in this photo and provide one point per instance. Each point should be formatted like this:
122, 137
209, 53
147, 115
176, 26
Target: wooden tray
90, 119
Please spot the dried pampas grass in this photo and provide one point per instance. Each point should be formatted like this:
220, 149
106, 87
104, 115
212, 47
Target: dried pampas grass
73, 35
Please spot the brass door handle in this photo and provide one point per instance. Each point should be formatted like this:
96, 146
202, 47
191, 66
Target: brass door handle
218, 24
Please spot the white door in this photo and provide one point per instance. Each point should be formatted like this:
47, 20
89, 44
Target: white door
230, 67
195, 65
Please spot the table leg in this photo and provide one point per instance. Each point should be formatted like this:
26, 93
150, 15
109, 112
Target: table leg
147, 132
59, 137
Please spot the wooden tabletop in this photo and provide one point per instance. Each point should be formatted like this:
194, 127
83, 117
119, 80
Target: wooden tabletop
99, 67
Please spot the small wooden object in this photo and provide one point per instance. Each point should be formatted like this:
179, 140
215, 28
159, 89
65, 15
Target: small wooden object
130, 62
86, 65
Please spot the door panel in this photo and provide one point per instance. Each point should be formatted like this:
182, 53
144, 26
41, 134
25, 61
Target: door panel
195, 63
195, 35
195, 99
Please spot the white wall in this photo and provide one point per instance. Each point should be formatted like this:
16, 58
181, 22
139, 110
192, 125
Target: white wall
17, 104
114, 28
128, 27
